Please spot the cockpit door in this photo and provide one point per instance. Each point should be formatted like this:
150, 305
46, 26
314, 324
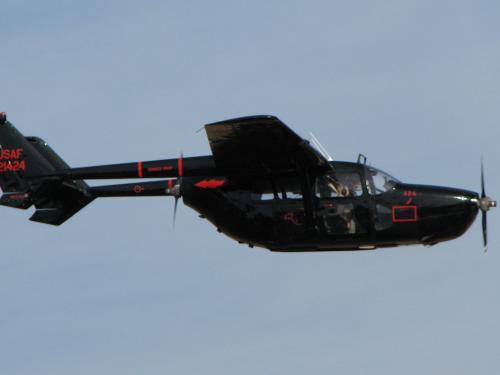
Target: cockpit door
343, 208
380, 186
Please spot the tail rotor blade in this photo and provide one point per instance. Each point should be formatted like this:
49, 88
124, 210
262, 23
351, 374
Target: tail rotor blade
175, 212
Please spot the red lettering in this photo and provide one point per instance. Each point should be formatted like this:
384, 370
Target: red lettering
11, 154
13, 166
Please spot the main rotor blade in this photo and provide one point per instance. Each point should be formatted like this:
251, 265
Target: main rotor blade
485, 231
483, 194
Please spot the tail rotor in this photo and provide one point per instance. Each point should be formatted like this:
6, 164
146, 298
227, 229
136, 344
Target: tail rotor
175, 188
175, 191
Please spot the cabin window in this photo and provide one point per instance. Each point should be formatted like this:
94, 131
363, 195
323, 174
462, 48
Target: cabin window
277, 189
339, 185
263, 197
264, 190
289, 188
290, 192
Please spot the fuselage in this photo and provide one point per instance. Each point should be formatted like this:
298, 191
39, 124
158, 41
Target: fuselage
378, 211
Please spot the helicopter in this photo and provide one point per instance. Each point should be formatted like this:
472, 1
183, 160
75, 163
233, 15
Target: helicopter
263, 186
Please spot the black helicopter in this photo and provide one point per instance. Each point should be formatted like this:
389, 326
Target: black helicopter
263, 186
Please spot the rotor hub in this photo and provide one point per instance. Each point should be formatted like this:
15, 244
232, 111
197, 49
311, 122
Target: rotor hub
486, 203
174, 190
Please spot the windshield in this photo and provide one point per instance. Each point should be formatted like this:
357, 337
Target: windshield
379, 182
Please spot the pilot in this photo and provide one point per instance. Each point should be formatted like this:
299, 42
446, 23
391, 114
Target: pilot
387, 184
340, 190
355, 189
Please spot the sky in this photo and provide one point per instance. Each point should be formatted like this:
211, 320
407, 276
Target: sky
414, 85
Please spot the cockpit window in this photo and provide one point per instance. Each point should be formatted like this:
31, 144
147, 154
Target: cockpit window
379, 182
339, 185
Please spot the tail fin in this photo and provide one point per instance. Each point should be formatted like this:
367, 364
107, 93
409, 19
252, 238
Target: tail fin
55, 200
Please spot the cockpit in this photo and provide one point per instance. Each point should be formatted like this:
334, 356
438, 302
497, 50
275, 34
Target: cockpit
339, 199
341, 205
346, 184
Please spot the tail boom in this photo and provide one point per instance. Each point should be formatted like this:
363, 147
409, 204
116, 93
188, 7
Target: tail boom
166, 168
138, 189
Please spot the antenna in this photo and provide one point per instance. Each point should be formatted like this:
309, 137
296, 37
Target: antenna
320, 147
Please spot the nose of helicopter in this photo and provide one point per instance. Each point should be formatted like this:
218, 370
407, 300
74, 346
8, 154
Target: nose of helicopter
446, 213
469, 206
466, 207
468, 201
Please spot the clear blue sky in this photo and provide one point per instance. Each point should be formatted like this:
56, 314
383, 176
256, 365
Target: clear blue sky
414, 85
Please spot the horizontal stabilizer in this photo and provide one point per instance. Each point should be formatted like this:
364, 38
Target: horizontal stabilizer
21, 200
57, 216
57, 201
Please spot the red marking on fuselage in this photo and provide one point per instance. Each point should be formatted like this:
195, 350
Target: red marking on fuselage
170, 184
409, 201
167, 168
154, 169
139, 169
291, 217
13, 166
210, 184
11, 154
138, 189
413, 214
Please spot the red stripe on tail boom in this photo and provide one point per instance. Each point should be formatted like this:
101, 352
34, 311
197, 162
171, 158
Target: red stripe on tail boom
139, 169
180, 166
